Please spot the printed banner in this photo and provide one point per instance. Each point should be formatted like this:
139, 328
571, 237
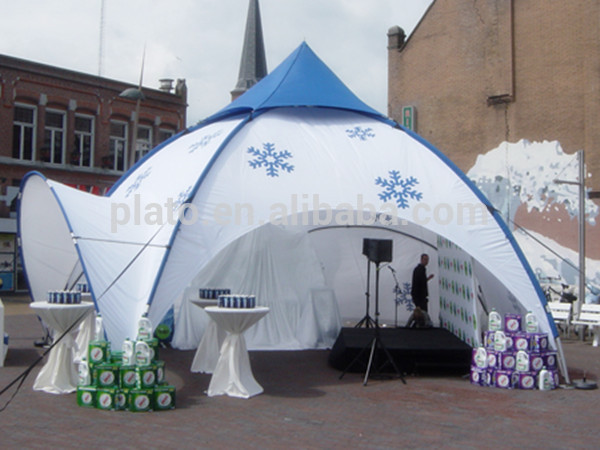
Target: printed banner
457, 292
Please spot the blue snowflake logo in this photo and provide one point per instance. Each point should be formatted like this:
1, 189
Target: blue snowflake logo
271, 159
398, 189
182, 198
138, 181
204, 141
361, 133
403, 297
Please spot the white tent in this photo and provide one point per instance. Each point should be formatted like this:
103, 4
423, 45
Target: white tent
273, 196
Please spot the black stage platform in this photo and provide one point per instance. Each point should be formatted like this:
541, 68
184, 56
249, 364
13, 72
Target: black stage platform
414, 350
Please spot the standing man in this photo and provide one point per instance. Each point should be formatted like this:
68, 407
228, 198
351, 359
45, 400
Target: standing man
418, 290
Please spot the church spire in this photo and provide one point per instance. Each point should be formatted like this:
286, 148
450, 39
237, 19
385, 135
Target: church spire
253, 65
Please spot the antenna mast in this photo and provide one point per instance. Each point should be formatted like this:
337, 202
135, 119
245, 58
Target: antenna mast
101, 45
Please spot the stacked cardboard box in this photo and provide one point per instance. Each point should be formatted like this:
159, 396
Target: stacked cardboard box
515, 359
107, 383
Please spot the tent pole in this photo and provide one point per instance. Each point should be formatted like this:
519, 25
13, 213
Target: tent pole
562, 363
581, 185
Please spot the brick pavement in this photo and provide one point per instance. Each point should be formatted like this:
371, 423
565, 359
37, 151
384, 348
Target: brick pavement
305, 405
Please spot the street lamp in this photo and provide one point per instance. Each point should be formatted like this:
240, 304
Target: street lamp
581, 184
137, 95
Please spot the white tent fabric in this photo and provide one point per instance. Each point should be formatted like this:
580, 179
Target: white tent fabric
296, 154
281, 268
323, 266
48, 246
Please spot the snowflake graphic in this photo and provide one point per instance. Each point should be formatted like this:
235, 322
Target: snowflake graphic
398, 189
182, 198
271, 159
138, 181
204, 141
362, 133
403, 296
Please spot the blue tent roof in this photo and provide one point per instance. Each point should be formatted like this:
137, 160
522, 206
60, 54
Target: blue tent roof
302, 79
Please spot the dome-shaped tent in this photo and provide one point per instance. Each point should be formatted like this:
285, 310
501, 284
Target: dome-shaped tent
297, 153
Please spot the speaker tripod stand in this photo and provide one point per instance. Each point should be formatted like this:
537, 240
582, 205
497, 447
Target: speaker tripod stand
375, 344
367, 321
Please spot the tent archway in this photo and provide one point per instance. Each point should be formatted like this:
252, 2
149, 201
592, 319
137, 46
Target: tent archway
51, 255
299, 133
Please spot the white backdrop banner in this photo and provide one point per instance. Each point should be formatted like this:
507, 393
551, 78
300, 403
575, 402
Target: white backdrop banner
457, 292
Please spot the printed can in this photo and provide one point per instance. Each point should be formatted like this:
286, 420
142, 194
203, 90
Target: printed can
526, 380
493, 359
477, 375
550, 360
140, 400
488, 338
488, 377
512, 323
164, 398
536, 362
106, 375
522, 341
160, 372
86, 396
121, 399
116, 357
538, 342
127, 377
98, 351
503, 379
146, 376
106, 398
507, 361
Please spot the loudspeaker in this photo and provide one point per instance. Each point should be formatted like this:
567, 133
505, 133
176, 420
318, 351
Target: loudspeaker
378, 250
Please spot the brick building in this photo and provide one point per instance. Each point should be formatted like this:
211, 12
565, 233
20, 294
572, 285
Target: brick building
476, 73
74, 128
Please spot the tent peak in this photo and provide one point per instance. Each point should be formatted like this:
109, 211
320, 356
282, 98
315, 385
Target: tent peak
302, 79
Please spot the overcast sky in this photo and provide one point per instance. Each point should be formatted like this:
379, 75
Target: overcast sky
201, 40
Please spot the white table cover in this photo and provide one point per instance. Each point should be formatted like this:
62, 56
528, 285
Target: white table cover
59, 374
207, 354
85, 334
190, 322
233, 375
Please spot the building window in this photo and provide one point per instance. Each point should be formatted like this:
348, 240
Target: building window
117, 152
54, 137
143, 143
164, 134
24, 132
83, 153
